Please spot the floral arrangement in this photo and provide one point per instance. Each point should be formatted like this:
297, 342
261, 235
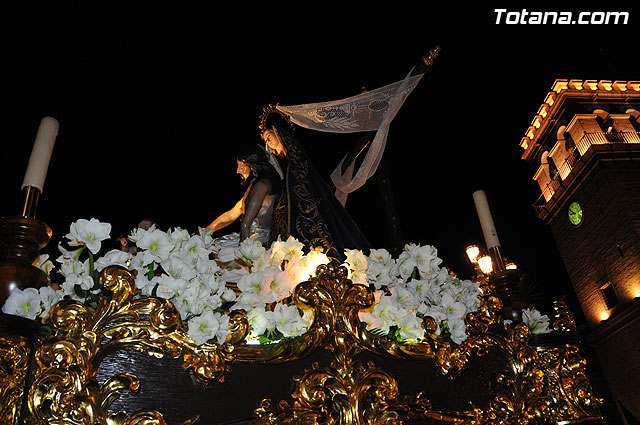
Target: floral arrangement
193, 271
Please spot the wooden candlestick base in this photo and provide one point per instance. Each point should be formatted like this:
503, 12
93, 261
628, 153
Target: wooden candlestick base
21, 239
505, 284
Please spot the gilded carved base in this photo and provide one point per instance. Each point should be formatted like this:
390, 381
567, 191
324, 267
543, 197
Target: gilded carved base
545, 383
15, 354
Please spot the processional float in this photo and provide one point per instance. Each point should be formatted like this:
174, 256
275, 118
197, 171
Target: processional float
124, 358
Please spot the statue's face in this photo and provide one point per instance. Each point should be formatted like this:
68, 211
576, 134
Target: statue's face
243, 170
273, 141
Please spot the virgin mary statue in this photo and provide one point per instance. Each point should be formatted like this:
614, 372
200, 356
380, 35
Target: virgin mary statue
307, 207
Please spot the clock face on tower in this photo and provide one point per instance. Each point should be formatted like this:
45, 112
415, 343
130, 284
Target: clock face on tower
575, 213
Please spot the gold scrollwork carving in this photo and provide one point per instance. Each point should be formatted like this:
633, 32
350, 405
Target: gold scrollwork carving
65, 389
14, 365
539, 383
549, 384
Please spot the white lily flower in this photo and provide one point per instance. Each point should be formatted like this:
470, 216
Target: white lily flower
277, 285
44, 264
286, 250
312, 260
260, 320
84, 280
157, 246
23, 303
253, 283
452, 308
457, 330
410, 327
49, 298
250, 250
178, 236
248, 301
288, 320
382, 268
535, 321
177, 268
223, 327
194, 249
168, 286
356, 260
204, 327
406, 265
90, 233
115, 257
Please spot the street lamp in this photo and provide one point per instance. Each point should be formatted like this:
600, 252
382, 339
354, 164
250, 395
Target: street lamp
485, 264
473, 251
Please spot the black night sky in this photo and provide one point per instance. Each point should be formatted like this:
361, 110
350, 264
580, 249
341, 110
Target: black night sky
153, 103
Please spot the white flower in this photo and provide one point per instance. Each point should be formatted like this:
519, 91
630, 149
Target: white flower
410, 327
84, 280
381, 256
114, 257
178, 236
262, 263
178, 268
204, 327
425, 257
356, 260
194, 249
457, 330
286, 250
312, 260
23, 303
143, 283
168, 286
288, 320
44, 264
250, 250
406, 265
260, 320
138, 232
223, 327
205, 235
381, 269
403, 298
252, 283
535, 321
277, 285
157, 246
68, 255
213, 301
452, 308
207, 266
227, 294
49, 297
90, 233
248, 301
191, 301
385, 313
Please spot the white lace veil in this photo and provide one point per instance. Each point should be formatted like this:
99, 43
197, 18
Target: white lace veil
369, 111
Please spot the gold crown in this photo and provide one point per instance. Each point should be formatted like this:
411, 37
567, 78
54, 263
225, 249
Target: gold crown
269, 110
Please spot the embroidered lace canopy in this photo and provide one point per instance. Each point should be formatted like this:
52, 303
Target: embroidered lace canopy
370, 111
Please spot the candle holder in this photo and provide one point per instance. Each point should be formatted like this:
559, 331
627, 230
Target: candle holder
21, 239
505, 283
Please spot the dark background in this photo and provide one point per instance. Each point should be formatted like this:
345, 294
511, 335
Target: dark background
154, 102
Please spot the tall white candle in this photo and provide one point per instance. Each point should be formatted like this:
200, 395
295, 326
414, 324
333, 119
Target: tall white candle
41, 153
486, 221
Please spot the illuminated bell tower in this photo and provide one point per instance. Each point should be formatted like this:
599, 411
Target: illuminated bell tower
583, 146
